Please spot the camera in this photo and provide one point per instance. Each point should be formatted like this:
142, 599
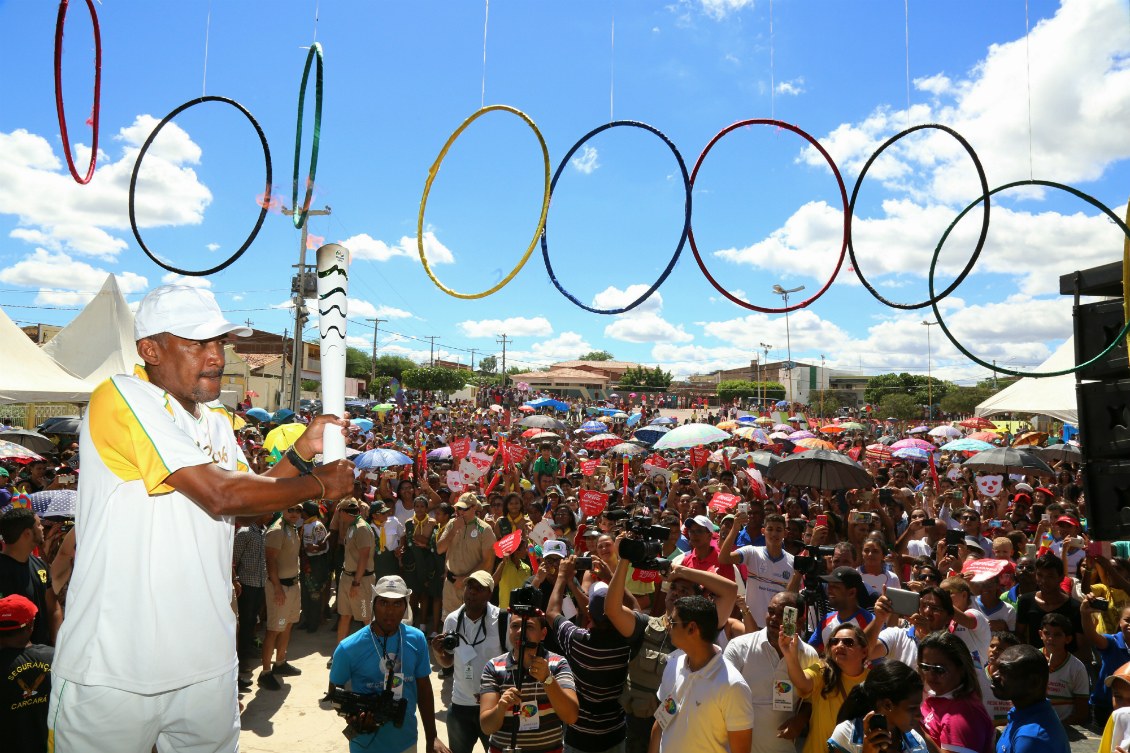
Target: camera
381, 709
644, 547
525, 601
583, 563
449, 641
813, 562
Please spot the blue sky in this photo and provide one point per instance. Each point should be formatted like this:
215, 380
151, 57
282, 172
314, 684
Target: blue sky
401, 77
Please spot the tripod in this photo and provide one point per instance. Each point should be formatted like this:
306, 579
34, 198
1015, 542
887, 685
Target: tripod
521, 674
814, 596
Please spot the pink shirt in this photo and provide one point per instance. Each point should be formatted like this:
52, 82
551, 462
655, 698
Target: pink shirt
958, 723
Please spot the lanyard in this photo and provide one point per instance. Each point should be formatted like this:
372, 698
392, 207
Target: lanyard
480, 634
383, 650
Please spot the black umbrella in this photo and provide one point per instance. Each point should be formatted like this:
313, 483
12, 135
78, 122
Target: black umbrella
60, 425
32, 440
1068, 453
1009, 460
762, 460
549, 423
822, 469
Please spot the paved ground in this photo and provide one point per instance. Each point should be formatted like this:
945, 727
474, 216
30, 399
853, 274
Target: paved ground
292, 720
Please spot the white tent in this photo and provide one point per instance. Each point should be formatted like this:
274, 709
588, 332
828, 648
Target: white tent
1049, 396
30, 376
98, 343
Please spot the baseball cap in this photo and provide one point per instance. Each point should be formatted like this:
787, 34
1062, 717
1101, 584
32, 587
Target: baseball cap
1122, 673
184, 311
973, 543
1046, 491
1068, 520
16, 612
483, 578
1023, 487
554, 548
848, 576
467, 501
703, 521
597, 593
392, 587
310, 508
553, 490
4, 472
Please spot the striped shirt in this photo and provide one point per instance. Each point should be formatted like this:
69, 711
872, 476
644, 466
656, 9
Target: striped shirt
600, 665
498, 675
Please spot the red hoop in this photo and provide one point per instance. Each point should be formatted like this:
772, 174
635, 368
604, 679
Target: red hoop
59, 109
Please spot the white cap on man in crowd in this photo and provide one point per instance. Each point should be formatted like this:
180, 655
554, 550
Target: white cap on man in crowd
703, 521
392, 587
184, 311
554, 548
483, 578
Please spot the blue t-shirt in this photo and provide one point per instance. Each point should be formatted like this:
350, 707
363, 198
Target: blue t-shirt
360, 661
744, 539
1034, 729
1112, 657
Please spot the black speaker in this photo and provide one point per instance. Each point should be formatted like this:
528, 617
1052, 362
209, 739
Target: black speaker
1107, 484
1096, 326
1104, 419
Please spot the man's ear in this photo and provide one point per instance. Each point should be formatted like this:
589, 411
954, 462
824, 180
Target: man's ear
149, 350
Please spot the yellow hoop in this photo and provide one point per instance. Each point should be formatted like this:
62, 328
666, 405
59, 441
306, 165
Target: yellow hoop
434, 170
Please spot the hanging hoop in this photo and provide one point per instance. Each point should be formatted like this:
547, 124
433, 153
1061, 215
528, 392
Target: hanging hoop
60, 110
299, 216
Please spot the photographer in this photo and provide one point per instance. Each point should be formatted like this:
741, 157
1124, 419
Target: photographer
470, 639
388, 662
548, 699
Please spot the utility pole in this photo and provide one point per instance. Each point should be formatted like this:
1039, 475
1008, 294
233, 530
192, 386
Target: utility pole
761, 387
376, 326
249, 322
473, 360
504, 340
929, 370
300, 289
282, 373
432, 357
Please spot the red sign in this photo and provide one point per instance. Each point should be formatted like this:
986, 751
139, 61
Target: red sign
647, 576
657, 460
699, 456
724, 503
588, 467
517, 452
459, 448
756, 482
986, 569
508, 544
592, 502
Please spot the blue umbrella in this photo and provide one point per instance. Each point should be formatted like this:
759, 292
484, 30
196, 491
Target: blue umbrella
258, 414
651, 434
912, 453
965, 444
633, 419
782, 403
380, 458
594, 427
364, 423
55, 503
282, 415
440, 453
664, 421
747, 419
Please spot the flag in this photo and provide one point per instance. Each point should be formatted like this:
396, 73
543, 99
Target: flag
933, 472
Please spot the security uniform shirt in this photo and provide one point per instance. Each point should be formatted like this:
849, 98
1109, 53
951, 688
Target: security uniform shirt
30, 579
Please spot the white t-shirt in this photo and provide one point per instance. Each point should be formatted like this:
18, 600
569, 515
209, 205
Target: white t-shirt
394, 531
920, 548
478, 644
900, 645
403, 512
875, 583
977, 638
1004, 611
149, 608
314, 534
767, 675
767, 578
703, 706
1067, 682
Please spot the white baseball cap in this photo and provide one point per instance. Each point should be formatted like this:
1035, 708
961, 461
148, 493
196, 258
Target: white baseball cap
703, 521
554, 548
184, 311
392, 587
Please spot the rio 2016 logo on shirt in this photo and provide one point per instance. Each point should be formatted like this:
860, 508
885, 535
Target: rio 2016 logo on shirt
669, 706
397, 681
529, 709
784, 687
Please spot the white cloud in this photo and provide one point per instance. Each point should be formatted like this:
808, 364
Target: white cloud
359, 307
213, 247
642, 324
720, 9
364, 246
515, 326
938, 84
172, 278
614, 298
43, 269
565, 347
587, 161
791, 88
59, 215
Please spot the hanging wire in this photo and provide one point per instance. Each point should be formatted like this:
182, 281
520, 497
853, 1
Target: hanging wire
207, 33
1028, 76
317, 13
612, 75
906, 13
486, 19
772, 73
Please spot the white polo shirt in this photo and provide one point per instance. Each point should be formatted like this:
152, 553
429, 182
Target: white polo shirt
149, 607
767, 578
708, 705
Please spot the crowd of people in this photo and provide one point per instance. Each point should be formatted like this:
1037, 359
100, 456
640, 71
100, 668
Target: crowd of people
670, 600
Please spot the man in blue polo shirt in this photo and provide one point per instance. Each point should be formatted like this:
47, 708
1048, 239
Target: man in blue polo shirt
1113, 653
1021, 676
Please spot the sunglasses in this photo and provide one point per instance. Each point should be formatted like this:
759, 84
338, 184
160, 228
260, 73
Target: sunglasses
934, 669
845, 642
927, 577
294, 509
974, 518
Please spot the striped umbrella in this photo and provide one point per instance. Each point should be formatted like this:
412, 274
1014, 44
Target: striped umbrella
753, 434
14, 451
920, 444
878, 451
812, 443
690, 435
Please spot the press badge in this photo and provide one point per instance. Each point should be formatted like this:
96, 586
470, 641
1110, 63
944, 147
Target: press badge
465, 655
666, 712
783, 695
529, 719
398, 686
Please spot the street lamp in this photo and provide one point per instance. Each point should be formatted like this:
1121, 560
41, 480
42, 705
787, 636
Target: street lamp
929, 371
788, 337
761, 388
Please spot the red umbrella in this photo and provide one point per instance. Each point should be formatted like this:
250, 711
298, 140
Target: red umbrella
878, 452
602, 442
977, 422
986, 436
530, 432
525, 409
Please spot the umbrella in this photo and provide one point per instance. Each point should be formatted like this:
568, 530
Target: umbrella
650, 434
832, 429
613, 395
439, 409
382, 408
1009, 460
620, 416
32, 440
282, 415
690, 435
496, 408
921, 444
764, 421
798, 419
543, 436
440, 453
912, 453
627, 448
762, 460
1030, 438
280, 438
593, 427
977, 422
986, 436
783, 427
543, 422
716, 456
812, 443
782, 403
54, 503
522, 387
779, 435
258, 414
525, 409
633, 419
853, 426
878, 451
13, 451
728, 425
887, 439
822, 469
919, 430
747, 419
801, 435
948, 432
664, 421
530, 432
1065, 452
380, 458
60, 425
602, 442
364, 423
753, 434
966, 444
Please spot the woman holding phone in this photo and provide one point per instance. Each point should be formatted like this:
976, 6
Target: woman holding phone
882, 713
827, 687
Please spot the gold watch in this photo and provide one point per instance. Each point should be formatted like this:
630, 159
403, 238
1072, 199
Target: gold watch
549, 680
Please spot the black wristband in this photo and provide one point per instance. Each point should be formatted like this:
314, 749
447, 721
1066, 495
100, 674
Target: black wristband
304, 466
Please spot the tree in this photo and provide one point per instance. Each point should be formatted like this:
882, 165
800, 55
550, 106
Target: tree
915, 385
380, 387
827, 402
435, 379
596, 355
489, 364
900, 406
310, 385
736, 388
358, 364
963, 400
637, 377
394, 366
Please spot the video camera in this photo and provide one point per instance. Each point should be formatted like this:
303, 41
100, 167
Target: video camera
379, 709
644, 545
813, 562
525, 601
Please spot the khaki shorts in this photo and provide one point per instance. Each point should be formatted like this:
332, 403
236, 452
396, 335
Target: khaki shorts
452, 597
281, 615
356, 604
